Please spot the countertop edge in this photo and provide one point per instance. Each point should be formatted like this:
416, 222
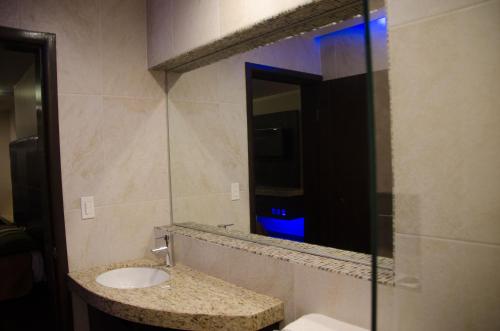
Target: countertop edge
172, 319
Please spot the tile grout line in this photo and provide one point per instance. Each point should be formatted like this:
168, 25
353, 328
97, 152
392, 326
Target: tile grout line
438, 15
119, 204
462, 241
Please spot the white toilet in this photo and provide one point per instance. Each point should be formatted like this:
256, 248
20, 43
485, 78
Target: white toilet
318, 322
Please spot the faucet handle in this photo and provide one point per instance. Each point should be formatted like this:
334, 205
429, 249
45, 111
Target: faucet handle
159, 249
166, 237
225, 226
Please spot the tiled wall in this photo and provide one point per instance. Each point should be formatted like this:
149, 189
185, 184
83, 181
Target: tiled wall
179, 26
444, 67
112, 123
208, 132
303, 289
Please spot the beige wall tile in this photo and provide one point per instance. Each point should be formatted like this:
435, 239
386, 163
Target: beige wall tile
118, 153
201, 255
456, 288
263, 275
118, 233
77, 28
160, 31
9, 15
233, 15
445, 120
114, 148
124, 44
259, 10
196, 22
258, 273
87, 241
80, 137
385, 308
342, 297
405, 11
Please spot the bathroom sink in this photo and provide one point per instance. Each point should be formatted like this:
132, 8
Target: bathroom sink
132, 277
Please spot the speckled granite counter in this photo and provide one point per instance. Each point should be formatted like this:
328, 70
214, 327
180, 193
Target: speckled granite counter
191, 301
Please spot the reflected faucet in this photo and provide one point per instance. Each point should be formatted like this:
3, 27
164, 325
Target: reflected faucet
224, 226
168, 249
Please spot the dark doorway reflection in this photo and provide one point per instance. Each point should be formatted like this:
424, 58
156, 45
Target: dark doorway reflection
309, 159
26, 289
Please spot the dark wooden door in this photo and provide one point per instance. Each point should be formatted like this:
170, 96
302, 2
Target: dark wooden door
337, 166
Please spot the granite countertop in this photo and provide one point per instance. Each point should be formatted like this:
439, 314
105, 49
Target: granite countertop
191, 301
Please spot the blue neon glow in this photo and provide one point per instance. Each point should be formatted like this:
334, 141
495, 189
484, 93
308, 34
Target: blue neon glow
285, 229
278, 211
382, 21
376, 26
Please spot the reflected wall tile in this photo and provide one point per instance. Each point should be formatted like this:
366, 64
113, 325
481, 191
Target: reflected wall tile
213, 209
405, 11
457, 285
77, 29
199, 85
160, 31
445, 131
300, 54
135, 149
118, 233
190, 33
9, 15
214, 152
231, 82
121, 156
124, 43
342, 297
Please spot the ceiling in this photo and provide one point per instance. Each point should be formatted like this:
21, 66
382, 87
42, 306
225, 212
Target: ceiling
264, 88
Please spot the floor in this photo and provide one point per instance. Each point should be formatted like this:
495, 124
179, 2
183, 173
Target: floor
31, 312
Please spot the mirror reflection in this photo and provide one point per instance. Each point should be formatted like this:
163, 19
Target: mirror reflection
274, 141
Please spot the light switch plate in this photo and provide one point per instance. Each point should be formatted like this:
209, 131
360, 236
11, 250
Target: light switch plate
235, 191
87, 207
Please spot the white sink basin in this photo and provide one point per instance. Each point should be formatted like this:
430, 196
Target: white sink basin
132, 277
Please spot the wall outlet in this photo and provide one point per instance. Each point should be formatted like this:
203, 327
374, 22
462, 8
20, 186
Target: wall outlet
87, 206
235, 191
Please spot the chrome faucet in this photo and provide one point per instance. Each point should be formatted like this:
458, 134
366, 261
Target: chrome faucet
168, 249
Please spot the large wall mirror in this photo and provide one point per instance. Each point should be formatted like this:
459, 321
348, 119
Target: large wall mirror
274, 141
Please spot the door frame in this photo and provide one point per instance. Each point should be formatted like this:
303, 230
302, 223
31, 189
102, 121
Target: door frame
45, 45
265, 72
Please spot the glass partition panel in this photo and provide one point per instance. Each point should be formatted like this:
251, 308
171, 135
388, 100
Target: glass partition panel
442, 144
